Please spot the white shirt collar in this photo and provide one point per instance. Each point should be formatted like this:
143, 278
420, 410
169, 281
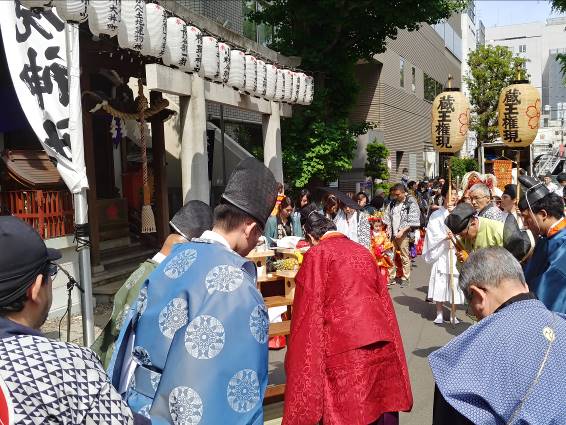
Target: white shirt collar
216, 237
159, 257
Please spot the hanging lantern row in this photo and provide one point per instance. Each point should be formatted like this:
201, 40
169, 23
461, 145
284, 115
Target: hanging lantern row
450, 120
147, 28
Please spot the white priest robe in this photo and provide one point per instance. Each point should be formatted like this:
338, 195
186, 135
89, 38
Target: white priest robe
436, 251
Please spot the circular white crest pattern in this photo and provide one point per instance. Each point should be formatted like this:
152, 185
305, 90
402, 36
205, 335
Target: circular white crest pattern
204, 337
180, 263
142, 301
141, 355
144, 411
185, 406
173, 317
224, 278
243, 391
259, 324
155, 378
135, 277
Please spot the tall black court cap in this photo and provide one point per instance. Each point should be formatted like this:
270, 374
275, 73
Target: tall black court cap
457, 221
253, 189
192, 219
23, 257
534, 191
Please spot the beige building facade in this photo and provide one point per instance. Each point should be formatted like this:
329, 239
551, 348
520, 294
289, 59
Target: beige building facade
396, 92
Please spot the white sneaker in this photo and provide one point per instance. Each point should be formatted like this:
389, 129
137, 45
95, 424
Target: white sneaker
439, 320
456, 321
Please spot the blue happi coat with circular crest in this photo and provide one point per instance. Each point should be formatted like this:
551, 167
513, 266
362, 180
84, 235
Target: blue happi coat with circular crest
194, 348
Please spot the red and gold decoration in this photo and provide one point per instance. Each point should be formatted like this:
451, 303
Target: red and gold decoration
519, 114
450, 120
503, 172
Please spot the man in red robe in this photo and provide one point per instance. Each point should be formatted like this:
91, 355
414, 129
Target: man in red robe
345, 363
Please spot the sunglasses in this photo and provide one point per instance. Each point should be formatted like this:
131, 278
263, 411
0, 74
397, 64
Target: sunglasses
51, 269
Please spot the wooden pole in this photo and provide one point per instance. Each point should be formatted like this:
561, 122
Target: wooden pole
450, 261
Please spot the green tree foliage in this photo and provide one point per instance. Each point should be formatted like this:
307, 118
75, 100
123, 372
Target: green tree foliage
460, 166
491, 69
376, 165
331, 36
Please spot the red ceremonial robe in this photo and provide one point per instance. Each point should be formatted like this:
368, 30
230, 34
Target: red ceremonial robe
345, 362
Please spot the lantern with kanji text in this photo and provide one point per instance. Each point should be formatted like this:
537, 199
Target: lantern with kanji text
450, 120
270, 81
176, 48
237, 73
104, 17
155, 31
131, 29
261, 83
224, 63
210, 67
519, 114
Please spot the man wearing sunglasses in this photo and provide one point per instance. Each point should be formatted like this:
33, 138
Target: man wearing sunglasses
47, 380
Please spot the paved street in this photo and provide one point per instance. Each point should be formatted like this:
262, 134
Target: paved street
420, 338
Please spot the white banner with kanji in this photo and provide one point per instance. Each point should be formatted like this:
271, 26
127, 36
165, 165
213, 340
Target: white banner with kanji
36, 52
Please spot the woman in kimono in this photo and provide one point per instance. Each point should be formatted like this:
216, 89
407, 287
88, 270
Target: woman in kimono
345, 363
436, 251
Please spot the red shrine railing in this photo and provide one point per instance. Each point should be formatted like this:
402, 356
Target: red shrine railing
50, 212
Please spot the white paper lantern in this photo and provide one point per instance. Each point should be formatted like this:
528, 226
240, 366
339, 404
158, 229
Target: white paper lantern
296, 87
309, 90
251, 74
280, 85
210, 58
194, 41
237, 74
176, 49
72, 10
302, 81
289, 84
131, 29
104, 16
224, 61
270, 81
155, 32
261, 83
36, 4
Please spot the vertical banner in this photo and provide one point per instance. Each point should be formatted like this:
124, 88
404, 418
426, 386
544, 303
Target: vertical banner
503, 171
36, 49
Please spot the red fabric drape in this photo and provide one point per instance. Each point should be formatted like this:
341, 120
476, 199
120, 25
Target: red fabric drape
345, 362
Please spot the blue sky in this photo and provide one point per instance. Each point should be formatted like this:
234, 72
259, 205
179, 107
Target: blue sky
497, 13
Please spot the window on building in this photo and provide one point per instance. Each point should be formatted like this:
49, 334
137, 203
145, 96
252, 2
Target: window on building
522, 48
431, 88
262, 33
402, 72
413, 79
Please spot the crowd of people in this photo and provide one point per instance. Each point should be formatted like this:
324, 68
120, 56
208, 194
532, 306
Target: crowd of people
187, 342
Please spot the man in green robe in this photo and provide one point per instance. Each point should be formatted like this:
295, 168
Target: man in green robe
474, 232
189, 222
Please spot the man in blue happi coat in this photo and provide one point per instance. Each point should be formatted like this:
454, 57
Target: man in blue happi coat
194, 349
509, 368
543, 214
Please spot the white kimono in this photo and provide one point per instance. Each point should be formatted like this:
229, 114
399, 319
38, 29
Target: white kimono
436, 251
